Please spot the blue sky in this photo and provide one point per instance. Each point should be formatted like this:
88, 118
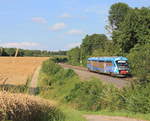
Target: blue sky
54, 24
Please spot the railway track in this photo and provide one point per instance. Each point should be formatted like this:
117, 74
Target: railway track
84, 74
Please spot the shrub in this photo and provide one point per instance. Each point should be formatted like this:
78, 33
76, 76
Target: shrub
111, 98
64, 74
139, 61
94, 96
86, 95
55, 74
60, 59
137, 98
50, 68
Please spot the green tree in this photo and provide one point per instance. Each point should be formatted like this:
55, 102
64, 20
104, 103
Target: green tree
91, 43
110, 49
133, 30
1, 51
21, 52
10, 51
28, 53
117, 14
74, 56
36, 52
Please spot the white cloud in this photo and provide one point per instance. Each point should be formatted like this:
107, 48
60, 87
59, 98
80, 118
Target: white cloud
40, 20
75, 32
19, 44
65, 15
72, 45
58, 26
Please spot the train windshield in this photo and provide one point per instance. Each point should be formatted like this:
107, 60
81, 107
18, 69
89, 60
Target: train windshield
122, 63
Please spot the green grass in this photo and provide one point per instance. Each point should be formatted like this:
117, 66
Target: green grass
57, 92
72, 114
120, 113
64, 82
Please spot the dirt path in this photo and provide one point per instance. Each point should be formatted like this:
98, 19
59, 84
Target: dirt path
108, 118
34, 81
85, 75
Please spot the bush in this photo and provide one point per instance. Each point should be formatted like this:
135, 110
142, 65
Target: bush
137, 98
64, 74
86, 95
139, 59
60, 59
50, 68
111, 99
55, 74
95, 96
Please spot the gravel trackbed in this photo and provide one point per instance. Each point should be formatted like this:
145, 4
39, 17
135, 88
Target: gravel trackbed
86, 75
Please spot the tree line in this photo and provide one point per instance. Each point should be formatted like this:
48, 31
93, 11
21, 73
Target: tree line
27, 52
130, 36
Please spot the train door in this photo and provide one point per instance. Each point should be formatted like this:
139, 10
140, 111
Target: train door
105, 65
100, 65
108, 66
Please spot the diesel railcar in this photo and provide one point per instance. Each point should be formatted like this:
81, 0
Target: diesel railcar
115, 66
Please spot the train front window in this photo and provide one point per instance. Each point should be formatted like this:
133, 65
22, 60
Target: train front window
122, 63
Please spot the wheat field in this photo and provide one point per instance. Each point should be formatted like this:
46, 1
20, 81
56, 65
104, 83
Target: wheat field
21, 107
16, 71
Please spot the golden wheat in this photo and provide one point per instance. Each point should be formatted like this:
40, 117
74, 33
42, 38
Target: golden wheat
19, 69
20, 107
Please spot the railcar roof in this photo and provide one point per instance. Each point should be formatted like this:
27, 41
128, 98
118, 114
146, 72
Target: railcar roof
107, 58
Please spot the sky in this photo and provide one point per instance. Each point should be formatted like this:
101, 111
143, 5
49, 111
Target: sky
54, 24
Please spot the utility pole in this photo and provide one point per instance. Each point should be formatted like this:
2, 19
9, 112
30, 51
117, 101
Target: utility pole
16, 54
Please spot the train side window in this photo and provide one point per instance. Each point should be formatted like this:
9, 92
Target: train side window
101, 64
109, 63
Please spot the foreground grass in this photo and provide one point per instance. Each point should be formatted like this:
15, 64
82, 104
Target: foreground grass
120, 113
57, 93
72, 114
